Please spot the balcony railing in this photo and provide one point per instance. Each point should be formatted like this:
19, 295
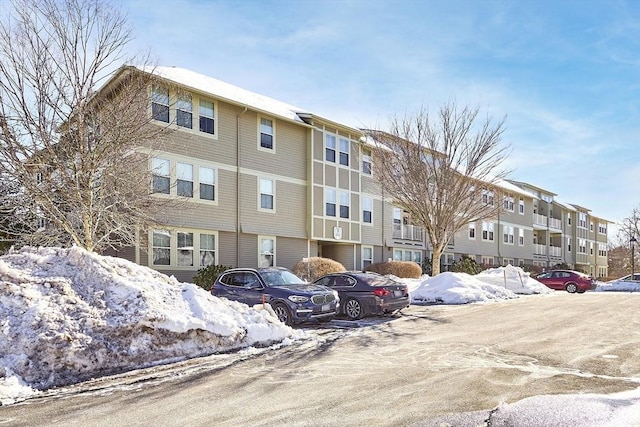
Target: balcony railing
539, 219
539, 249
408, 232
555, 251
554, 223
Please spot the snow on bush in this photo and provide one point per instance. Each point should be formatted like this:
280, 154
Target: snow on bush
67, 315
457, 288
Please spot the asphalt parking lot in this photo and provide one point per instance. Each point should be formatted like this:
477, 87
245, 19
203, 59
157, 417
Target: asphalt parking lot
431, 362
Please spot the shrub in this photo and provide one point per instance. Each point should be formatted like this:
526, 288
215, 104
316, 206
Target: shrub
402, 269
466, 265
316, 267
207, 275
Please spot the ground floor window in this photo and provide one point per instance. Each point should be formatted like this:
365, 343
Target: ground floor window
367, 256
179, 248
407, 255
267, 251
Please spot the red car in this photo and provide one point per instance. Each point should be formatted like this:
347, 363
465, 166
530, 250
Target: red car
571, 281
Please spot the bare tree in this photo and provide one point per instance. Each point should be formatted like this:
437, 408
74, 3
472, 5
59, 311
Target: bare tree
443, 171
71, 147
619, 251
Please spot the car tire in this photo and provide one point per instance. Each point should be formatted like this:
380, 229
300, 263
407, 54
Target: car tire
353, 309
283, 313
572, 288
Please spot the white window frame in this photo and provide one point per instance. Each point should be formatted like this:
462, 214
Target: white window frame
508, 203
330, 199
184, 108
174, 176
174, 248
487, 232
520, 236
182, 249
159, 99
159, 168
203, 251
568, 244
367, 206
330, 147
342, 153
212, 183
345, 202
204, 115
262, 252
264, 131
507, 234
521, 206
472, 231
185, 174
487, 197
366, 261
272, 183
367, 162
154, 246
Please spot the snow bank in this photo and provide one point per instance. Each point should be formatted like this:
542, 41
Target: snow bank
457, 288
513, 278
619, 286
67, 315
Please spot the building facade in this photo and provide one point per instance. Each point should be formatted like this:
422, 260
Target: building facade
266, 183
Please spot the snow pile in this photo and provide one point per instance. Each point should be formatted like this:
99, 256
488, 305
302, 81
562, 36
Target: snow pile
619, 286
513, 278
457, 288
67, 315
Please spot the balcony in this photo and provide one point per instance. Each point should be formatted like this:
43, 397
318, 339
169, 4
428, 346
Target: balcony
555, 251
408, 232
539, 249
540, 220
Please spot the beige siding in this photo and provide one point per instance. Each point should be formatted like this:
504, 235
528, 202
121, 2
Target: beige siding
318, 145
289, 251
330, 176
343, 179
318, 176
318, 201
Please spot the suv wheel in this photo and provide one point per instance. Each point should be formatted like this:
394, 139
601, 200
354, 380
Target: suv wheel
282, 312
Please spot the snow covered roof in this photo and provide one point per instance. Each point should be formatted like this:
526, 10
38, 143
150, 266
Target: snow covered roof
567, 206
226, 91
515, 189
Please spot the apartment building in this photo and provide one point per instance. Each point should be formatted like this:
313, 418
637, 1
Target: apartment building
266, 183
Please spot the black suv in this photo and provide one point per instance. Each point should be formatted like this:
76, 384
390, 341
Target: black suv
293, 300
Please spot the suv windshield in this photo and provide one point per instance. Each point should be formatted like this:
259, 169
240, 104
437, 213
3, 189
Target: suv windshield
280, 278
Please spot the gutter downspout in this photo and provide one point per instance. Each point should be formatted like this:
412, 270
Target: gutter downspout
238, 186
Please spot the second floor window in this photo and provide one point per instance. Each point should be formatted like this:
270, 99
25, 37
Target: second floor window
521, 237
521, 206
367, 209
161, 176
487, 231
266, 194
487, 197
344, 204
472, 230
508, 234
266, 133
184, 173
330, 202
508, 203
207, 183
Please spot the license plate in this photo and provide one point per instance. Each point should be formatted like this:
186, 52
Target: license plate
326, 307
397, 293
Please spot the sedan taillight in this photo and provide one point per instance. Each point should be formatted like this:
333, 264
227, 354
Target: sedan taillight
381, 292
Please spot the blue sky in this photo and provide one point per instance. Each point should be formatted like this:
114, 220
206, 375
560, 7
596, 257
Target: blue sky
565, 74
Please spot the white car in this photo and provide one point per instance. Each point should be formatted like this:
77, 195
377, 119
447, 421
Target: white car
627, 278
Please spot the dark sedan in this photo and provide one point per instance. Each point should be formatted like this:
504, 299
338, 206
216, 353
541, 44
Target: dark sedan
367, 293
568, 280
293, 300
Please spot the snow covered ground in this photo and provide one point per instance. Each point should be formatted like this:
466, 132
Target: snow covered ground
67, 315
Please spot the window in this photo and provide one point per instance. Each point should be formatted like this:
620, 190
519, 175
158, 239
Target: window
521, 206
582, 220
417, 257
487, 197
568, 244
602, 228
330, 202
207, 249
184, 174
185, 249
590, 248
367, 256
39, 178
184, 111
344, 204
472, 230
367, 208
344, 152
397, 255
397, 216
591, 226
602, 249
161, 176
160, 104
487, 231
207, 177
487, 260
161, 247
207, 117
568, 219
266, 133
508, 203
366, 162
266, 194
507, 234
330, 148
266, 257
521, 237
582, 246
